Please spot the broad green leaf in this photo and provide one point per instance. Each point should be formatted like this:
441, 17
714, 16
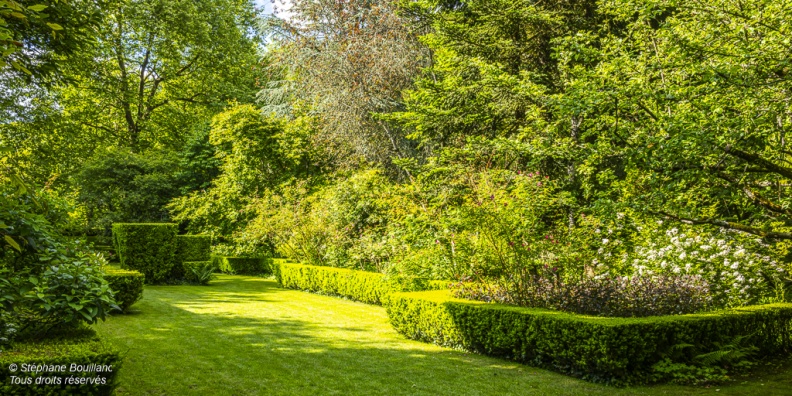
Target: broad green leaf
37, 7
12, 242
55, 26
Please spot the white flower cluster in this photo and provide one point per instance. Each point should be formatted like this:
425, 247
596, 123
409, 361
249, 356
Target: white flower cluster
736, 275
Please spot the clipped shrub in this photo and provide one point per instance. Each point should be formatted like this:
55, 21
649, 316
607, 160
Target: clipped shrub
190, 248
86, 351
618, 296
193, 247
367, 287
148, 248
615, 350
199, 272
127, 286
363, 286
243, 265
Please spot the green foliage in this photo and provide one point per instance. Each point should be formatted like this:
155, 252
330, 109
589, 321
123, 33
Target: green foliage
614, 350
339, 225
191, 248
121, 186
257, 153
198, 164
127, 286
363, 286
147, 248
243, 265
46, 281
367, 287
37, 36
199, 272
82, 348
153, 72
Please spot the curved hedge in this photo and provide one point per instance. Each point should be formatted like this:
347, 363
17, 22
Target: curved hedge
615, 350
148, 248
127, 286
87, 352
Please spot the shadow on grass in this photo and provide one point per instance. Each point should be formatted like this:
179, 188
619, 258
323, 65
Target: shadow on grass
247, 336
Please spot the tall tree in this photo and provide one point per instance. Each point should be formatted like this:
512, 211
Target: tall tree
694, 104
348, 60
160, 66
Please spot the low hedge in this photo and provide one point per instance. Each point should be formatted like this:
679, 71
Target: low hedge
615, 350
367, 287
148, 248
76, 366
243, 265
363, 286
127, 286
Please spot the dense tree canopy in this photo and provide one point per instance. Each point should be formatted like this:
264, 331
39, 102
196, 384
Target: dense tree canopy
515, 143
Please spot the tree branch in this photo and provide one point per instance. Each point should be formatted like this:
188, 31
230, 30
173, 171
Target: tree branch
757, 160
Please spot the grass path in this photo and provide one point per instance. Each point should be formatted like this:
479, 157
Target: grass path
245, 336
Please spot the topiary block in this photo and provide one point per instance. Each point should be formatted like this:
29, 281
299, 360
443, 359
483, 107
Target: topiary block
149, 248
127, 286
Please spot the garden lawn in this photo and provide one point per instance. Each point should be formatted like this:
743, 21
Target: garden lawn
246, 336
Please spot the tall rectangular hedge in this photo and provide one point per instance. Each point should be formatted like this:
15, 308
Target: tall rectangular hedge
615, 350
149, 248
190, 248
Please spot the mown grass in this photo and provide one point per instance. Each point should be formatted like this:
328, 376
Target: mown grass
245, 336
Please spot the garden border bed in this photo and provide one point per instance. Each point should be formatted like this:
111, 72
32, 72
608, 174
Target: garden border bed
619, 351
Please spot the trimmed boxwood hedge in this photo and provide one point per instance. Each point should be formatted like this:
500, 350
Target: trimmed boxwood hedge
367, 287
363, 286
243, 265
82, 350
190, 248
148, 248
127, 286
615, 350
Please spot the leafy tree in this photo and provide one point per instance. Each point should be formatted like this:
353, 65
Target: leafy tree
257, 153
690, 110
346, 61
160, 67
37, 36
122, 186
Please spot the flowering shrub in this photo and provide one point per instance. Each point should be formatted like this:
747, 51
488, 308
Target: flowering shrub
737, 275
618, 296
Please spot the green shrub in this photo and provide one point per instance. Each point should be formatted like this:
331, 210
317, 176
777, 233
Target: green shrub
614, 350
363, 286
148, 248
84, 350
127, 286
193, 247
367, 287
199, 272
190, 248
243, 265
